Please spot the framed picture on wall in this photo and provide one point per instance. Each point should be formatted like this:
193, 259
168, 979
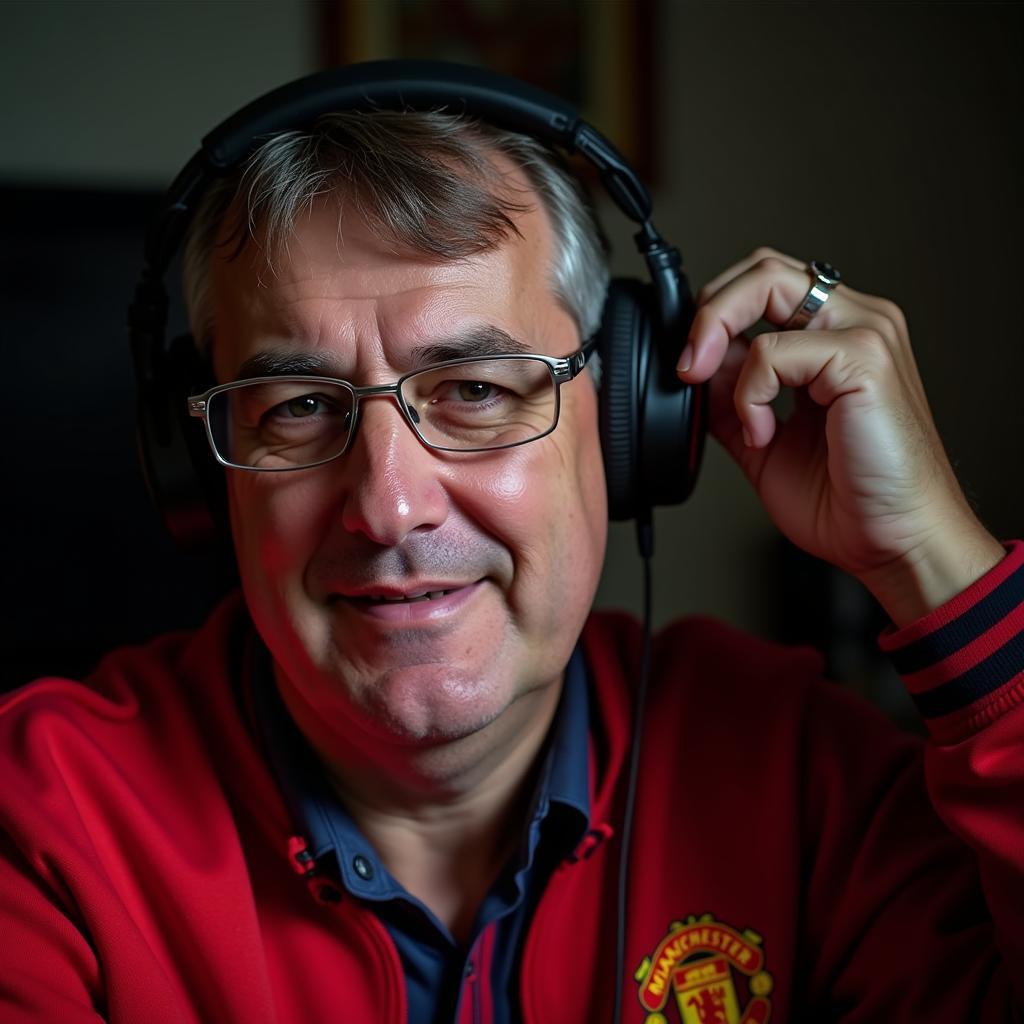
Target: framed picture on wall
595, 53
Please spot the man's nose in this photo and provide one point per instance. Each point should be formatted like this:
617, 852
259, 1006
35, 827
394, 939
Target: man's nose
392, 484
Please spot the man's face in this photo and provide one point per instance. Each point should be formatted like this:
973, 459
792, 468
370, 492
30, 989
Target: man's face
515, 538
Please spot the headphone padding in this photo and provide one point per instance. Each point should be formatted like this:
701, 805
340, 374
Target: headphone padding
187, 484
624, 328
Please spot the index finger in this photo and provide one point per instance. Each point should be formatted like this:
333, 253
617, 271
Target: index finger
770, 288
716, 284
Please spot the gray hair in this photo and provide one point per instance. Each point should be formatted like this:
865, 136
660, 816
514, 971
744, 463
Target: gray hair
424, 180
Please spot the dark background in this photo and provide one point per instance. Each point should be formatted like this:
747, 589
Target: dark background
884, 138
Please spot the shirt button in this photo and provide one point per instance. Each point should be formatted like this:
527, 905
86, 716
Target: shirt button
363, 868
469, 970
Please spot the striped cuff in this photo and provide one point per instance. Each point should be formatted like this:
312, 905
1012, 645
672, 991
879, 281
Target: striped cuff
964, 662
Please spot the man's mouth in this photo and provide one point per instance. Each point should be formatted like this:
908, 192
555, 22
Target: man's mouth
419, 601
429, 595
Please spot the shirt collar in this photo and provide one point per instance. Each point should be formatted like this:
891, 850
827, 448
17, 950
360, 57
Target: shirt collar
327, 826
565, 776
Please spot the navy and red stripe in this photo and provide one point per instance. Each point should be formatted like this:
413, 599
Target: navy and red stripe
967, 653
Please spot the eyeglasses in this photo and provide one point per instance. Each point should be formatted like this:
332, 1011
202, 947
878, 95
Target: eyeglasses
461, 405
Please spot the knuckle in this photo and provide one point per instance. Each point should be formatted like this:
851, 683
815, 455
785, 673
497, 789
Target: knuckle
885, 328
764, 252
870, 343
762, 346
888, 309
769, 265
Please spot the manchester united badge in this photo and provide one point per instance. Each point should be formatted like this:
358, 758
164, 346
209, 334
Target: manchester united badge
716, 973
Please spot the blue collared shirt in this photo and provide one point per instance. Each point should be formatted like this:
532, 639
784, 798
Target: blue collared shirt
435, 964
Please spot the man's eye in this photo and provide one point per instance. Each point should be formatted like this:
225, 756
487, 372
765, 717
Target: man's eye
475, 390
304, 405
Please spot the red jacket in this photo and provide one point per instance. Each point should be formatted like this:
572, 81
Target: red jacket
786, 859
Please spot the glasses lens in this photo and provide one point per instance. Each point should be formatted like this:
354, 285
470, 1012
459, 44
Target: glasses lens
485, 403
280, 424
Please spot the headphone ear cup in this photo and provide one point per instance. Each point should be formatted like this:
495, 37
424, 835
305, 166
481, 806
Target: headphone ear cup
625, 324
652, 425
183, 479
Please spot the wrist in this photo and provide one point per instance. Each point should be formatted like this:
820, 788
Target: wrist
933, 573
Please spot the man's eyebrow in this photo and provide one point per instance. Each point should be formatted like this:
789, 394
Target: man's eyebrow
477, 341
279, 363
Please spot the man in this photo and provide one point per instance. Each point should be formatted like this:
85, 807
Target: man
391, 785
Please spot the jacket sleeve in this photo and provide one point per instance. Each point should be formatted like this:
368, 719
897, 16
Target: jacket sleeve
964, 667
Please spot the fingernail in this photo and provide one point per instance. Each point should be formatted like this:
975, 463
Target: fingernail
685, 359
747, 439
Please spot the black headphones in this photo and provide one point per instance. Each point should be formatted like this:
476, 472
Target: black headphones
652, 426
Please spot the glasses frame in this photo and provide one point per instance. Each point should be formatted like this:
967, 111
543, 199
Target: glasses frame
562, 370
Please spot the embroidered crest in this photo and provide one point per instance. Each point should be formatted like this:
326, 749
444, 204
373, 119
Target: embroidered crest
716, 973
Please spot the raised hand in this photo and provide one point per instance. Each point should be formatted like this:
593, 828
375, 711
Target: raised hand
857, 473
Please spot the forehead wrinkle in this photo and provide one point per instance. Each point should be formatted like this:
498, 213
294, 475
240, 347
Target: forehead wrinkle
376, 326
351, 316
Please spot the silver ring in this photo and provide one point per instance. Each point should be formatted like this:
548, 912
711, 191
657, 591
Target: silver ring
826, 277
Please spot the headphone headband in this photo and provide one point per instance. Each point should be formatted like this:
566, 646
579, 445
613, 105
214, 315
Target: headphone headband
394, 85
398, 85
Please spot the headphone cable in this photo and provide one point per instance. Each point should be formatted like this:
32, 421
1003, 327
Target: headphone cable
645, 539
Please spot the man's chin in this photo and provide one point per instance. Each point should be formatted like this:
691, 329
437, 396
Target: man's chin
430, 705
